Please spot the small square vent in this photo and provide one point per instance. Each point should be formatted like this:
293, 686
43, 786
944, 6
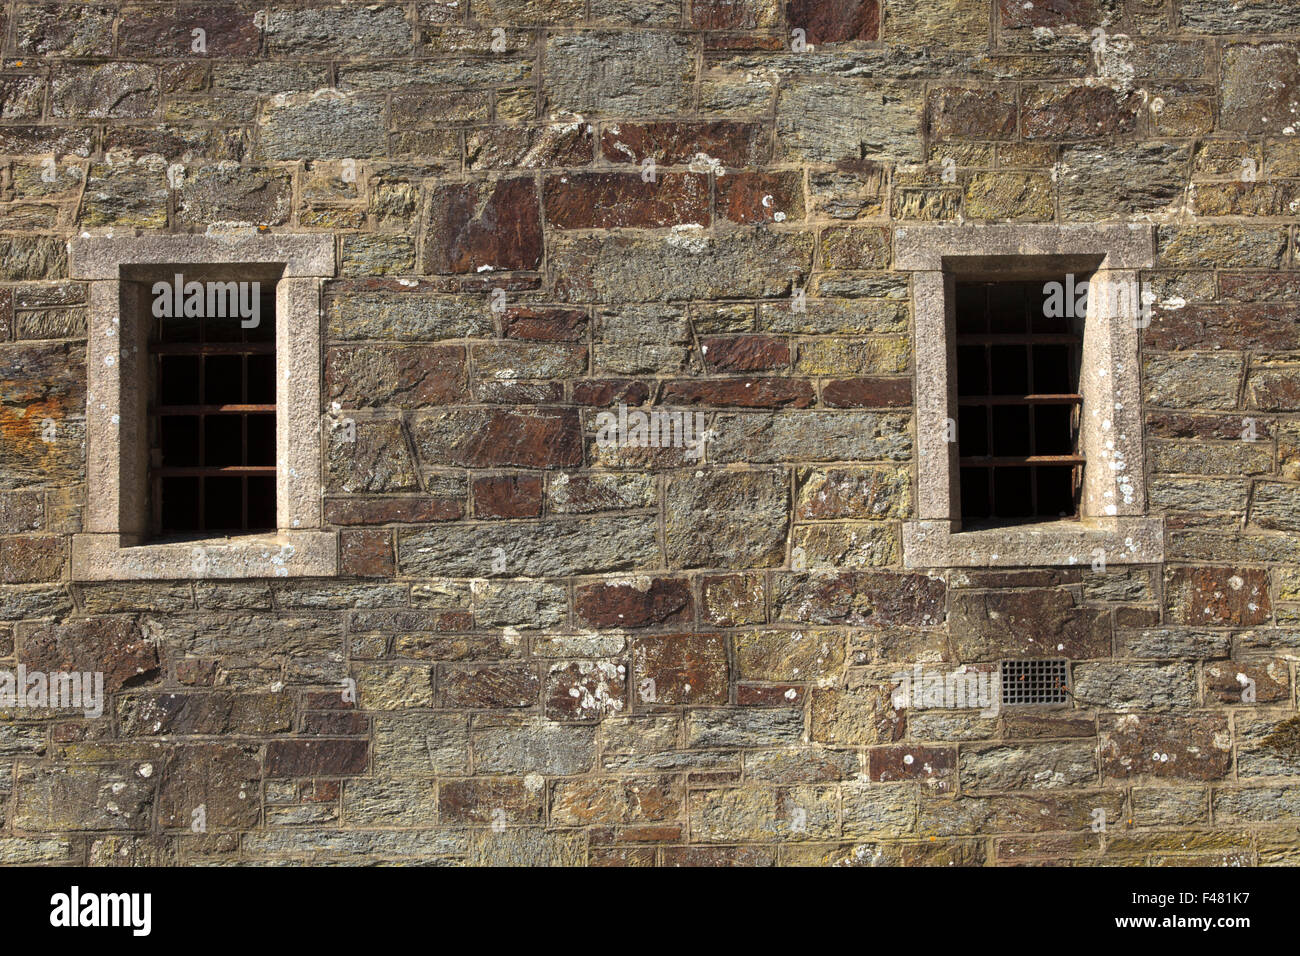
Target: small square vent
1034, 682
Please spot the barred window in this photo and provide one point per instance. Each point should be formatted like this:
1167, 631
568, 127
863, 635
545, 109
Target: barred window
212, 413
1018, 353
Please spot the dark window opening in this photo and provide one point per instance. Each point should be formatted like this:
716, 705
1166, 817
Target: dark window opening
212, 423
1035, 682
1018, 403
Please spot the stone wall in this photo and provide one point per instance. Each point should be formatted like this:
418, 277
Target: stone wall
571, 653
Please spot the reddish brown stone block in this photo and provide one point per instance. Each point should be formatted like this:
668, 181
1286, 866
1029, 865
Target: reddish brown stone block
335, 724
602, 392
661, 601
1077, 112
934, 765
486, 800
1210, 427
319, 791
196, 672
1237, 682
761, 197
158, 31
366, 554
1265, 327
733, 145
834, 21
1191, 746
868, 393
607, 200
545, 325
114, 646
1136, 617
770, 695
471, 225
326, 700
741, 393
316, 758
746, 353
32, 558
1275, 389
1259, 286
351, 511
501, 438
876, 598
958, 112
222, 778
618, 856
679, 669
489, 685
1209, 597
508, 496
1050, 13
207, 714
731, 14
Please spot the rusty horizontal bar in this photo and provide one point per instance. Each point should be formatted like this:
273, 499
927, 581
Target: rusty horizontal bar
1014, 460
212, 409
216, 471
1064, 398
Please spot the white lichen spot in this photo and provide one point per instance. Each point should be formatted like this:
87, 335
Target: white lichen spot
688, 237
704, 163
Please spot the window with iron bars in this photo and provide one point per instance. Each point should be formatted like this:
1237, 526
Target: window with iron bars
212, 423
1018, 399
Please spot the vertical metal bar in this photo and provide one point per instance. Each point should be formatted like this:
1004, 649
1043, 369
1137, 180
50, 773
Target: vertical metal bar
203, 436
988, 391
1033, 421
1076, 425
243, 441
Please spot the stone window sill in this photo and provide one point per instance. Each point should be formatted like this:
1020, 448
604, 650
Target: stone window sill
292, 554
1122, 540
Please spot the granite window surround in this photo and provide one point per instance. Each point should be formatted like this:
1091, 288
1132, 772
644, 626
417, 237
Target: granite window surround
114, 543
1113, 524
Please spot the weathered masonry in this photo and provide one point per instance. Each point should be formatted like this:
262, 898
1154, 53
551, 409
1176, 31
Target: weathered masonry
650, 433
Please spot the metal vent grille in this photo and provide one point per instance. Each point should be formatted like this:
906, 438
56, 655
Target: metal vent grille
1034, 682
